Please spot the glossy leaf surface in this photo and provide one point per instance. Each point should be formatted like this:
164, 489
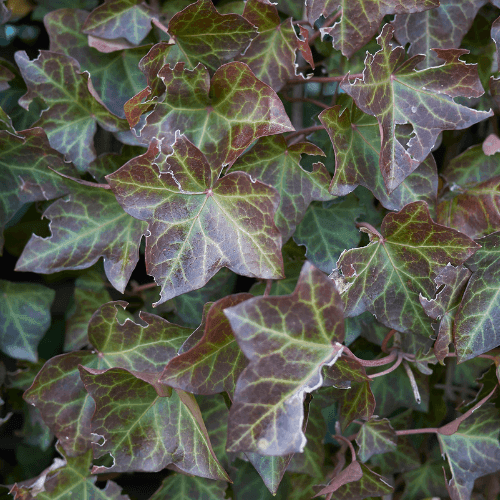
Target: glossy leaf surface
375, 437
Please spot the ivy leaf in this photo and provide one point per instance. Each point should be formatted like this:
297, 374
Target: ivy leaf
361, 18
443, 26
356, 141
400, 263
25, 176
473, 451
425, 482
107, 163
422, 98
275, 333
5, 76
85, 226
234, 105
144, 430
129, 19
281, 169
24, 318
444, 306
73, 110
57, 390
180, 487
202, 35
327, 230
369, 485
475, 330
375, 437
277, 40
68, 478
230, 221
6, 122
214, 364
115, 76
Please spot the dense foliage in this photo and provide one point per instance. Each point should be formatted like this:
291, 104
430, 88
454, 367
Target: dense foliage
314, 190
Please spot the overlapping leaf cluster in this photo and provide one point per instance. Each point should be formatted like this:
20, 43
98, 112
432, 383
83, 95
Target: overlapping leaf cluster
314, 190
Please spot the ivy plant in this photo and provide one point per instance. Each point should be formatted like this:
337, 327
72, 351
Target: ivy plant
250, 249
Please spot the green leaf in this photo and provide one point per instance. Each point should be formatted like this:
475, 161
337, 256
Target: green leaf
273, 162
451, 282
129, 19
42, 9
57, 390
271, 54
198, 223
443, 26
400, 262
85, 226
214, 364
356, 141
24, 174
425, 482
473, 451
360, 18
234, 106
68, 478
375, 437
287, 340
24, 318
475, 330
181, 487
107, 163
202, 35
327, 230
422, 98
115, 75
145, 431
73, 111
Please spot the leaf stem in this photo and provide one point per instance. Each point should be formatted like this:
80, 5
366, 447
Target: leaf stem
413, 382
370, 228
399, 360
326, 24
484, 356
372, 362
323, 79
147, 286
306, 99
386, 340
267, 291
305, 131
338, 437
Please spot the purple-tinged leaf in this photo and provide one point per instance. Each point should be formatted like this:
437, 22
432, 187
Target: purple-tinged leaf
234, 105
202, 35
57, 390
356, 141
87, 225
361, 18
375, 437
145, 431
68, 478
451, 282
214, 364
476, 326
129, 19
5, 13
24, 173
6, 75
368, 485
473, 451
271, 54
344, 373
287, 341
182, 487
198, 223
394, 92
73, 109
115, 76
400, 263
442, 27
351, 473
24, 318
107, 163
276, 164
327, 230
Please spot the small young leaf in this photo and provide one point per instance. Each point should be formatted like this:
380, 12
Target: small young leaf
375, 437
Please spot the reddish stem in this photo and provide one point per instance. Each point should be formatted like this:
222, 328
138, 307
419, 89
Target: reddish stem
306, 99
147, 286
386, 340
392, 368
370, 228
267, 291
327, 24
338, 437
484, 356
372, 362
305, 131
322, 79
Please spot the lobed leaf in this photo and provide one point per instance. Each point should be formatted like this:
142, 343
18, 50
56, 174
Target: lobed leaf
274, 163
180, 487
422, 98
400, 263
191, 213
24, 318
85, 226
287, 340
375, 437
144, 430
